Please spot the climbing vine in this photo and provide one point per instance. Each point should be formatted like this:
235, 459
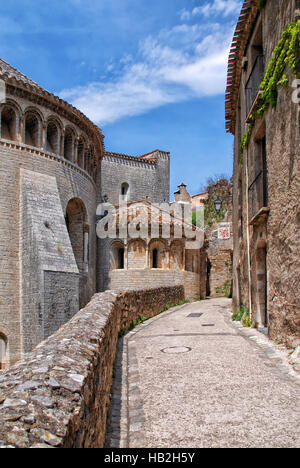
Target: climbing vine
285, 54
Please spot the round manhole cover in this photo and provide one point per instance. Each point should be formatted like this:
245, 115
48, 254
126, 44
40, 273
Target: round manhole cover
176, 350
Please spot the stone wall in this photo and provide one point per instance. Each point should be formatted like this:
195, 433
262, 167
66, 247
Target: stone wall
276, 232
59, 394
219, 257
49, 274
72, 182
145, 179
132, 279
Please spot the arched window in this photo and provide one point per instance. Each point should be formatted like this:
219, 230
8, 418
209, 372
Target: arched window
8, 123
125, 191
69, 145
159, 255
117, 256
3, 349
32, 130
52, 142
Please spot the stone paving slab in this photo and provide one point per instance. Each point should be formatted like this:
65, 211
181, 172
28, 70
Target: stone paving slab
203, 381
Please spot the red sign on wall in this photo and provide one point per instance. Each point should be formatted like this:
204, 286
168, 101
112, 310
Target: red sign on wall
224, 231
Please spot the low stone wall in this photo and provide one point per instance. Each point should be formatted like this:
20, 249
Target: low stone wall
134, 279
59, 394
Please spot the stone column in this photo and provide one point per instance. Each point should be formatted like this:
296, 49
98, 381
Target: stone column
60, 143
20, 132
44, 137
75, 157
18, 135
40, 126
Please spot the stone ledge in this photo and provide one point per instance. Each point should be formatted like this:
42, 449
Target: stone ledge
58, 395
52, 156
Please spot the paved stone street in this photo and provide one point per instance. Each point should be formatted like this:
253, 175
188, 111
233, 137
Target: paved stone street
185, 380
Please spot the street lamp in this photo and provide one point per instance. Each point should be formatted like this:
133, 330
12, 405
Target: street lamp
218, 205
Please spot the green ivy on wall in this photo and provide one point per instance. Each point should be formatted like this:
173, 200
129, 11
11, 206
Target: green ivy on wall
285, 54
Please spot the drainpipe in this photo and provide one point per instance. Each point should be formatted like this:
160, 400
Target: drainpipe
248, 237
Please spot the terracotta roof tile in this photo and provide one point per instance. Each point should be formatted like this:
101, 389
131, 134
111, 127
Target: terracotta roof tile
242, 33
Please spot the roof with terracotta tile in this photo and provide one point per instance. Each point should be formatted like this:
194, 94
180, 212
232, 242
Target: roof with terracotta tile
144, 210
132, 158
239, 43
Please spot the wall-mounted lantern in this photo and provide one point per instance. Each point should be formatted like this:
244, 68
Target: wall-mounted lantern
218, 205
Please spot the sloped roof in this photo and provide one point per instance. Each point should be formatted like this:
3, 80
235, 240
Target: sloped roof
240, 39
149, 158
143, 209
131, 158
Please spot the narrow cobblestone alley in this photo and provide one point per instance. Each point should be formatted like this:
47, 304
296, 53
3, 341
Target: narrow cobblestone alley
193, 378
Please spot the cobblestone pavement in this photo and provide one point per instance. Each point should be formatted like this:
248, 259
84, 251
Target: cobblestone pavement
184, 380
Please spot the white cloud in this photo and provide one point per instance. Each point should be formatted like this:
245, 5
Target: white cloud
185, 15
178, 64
218, 7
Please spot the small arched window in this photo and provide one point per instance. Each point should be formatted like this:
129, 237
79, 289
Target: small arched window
32, 130
8, 124
117, 256
125, 191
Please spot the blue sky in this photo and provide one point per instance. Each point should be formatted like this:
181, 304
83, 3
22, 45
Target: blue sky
151, 74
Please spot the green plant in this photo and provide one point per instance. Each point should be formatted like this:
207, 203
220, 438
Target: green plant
238, 315
211, 214
227, 289
168, 306
140, 320
246, 320
285, 54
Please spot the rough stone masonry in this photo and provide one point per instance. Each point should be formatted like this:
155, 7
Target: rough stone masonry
59, 394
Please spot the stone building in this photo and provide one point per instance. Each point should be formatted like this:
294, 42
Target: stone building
49, 158
262, 112
135, 178
157, 248
54, 172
